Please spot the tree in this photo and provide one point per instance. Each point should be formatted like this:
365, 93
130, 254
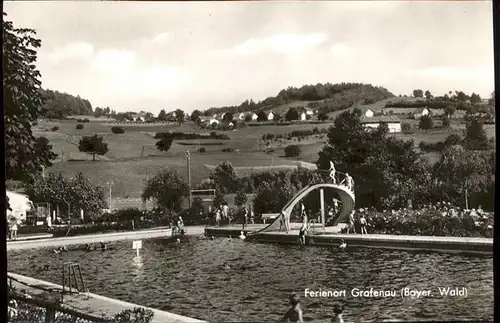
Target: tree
179, 116
98, 112
459, 170
248, 118
322, 116
292, 115
167, 189
406, 128
262, 116
425, 123
94, 145
428, 95
418, 93
162, 116
292, 151
492, 98
77, 192
225, 178
450, 109
475, 98
271, 196
164, 143
240, 198
475, 136
44, 150
195, 114
22, 103
228, 117
218, 200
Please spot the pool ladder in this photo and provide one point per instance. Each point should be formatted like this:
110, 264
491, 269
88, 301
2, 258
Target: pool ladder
72, 279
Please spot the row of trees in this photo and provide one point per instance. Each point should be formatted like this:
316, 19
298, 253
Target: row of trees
335, 97
459, 96
69, 195
59, 105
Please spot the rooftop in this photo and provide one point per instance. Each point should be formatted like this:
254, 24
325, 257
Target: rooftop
381, 119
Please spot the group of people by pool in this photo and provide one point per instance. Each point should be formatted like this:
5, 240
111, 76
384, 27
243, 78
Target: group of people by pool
224, 214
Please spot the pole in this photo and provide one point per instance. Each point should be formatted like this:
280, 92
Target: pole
322, 204
109, 186
466, 200
188, 159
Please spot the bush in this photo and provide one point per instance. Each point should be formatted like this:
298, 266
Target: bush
117, 130
135, 315
86, 120
228, 150
292, 151
79, 126
54, 128
406, 128
202, 150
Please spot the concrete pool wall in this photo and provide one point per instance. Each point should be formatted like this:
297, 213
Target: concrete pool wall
438, 243
88, 304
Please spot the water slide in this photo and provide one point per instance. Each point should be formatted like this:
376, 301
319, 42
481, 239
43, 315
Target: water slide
346, 197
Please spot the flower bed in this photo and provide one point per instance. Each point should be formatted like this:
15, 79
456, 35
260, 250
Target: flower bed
439, 220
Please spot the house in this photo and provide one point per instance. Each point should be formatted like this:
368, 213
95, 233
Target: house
393, 122
436, 112
367, 112
254, 116
420, 112
208, 120
270, 116
242, 115
171, 116
20, 205
139, 117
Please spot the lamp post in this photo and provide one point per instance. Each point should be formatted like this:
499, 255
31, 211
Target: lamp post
188, 160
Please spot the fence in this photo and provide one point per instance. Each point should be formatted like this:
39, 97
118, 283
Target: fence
23, 308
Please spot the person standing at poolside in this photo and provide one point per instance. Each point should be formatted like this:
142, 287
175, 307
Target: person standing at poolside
294, 314
285, 221
362, 223
13, 230
351, 223
302, 232
217, 217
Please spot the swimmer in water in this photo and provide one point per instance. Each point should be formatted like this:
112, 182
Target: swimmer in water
337, 310
226, 266
212, 237
294, 314
103, 246
88, 247
343, 244
242, 235
229, 239
178, 240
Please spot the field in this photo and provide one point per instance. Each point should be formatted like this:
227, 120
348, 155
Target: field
133, 157
128, 175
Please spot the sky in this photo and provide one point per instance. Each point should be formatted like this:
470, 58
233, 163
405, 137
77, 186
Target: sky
134, 56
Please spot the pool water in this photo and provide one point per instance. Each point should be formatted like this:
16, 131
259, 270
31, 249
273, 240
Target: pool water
188, 279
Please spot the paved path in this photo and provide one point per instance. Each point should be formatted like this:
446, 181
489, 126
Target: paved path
105, 237
91, 305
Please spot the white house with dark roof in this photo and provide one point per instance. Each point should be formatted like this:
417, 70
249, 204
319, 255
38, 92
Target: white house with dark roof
270, 116
207, 120
393, 122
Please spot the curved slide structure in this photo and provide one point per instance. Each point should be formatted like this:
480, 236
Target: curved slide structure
346, 196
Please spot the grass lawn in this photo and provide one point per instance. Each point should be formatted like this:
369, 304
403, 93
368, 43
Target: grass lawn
128, 175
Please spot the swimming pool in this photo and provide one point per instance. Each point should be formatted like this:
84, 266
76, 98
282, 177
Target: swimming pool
187, 279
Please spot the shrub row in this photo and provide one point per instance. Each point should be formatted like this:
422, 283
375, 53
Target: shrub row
79, 126
117, 130
187, 136
83, 120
